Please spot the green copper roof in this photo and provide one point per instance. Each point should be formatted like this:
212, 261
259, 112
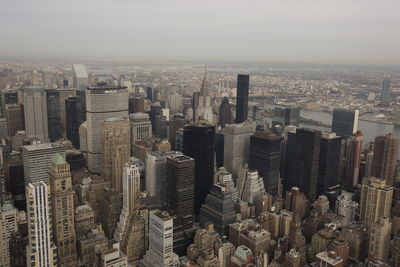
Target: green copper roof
58, 159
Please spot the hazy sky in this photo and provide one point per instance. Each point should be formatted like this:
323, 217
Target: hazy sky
322, 31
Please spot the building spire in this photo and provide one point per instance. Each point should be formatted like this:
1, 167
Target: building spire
204, 90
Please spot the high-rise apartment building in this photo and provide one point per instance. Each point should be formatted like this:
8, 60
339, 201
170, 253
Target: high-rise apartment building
242, 97
8, 226
385, 93
302, 161
53, 114
379, 240
265, 157
15, 118
236, 145
73, 120
140, 127
102, 102
35, 113
36, 159
386, 149
329, 162
62, 210
41, 250
181, 197
345, 122
225, 115
218, 208
376, 201
115, 149
198, 143
161, 241
352, 159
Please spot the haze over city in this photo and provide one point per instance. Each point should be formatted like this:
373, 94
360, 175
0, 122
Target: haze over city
307, 31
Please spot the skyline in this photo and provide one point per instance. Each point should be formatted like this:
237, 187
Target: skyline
333, 32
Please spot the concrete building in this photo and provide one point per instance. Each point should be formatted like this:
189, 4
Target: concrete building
140, 127
41, 250
346, 208
352, 159
84, 219
176, 122
36, 159
15, 118
156, 176
110, 257
242, 257
379, 240
35, 113
375, 202
249, 184
115, 149
62, 210
8, 226
236, 145
87, 243
328, 259
204, 239
386, 149
160, 253
102, 102
175, 103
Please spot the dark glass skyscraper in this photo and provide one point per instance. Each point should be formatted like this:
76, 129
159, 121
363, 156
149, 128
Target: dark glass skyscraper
72, 110
302, 161
53, 114
345, 122
242, 98
385, 93
149, 93
265, 157
198, 143
180, 197
329, 162
225, 113
286, 116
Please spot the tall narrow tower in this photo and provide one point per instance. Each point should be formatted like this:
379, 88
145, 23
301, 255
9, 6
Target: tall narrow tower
41, 251
242, 98
62, 196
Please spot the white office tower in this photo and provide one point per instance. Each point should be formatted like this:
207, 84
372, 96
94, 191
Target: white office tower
102, 102
131, 191
249, 184
174, 103
236, 145
156, 176
36, 159
140, 126
346, 208
161, 243
222, 176
35, 111
41, 251
8, 225
80, 76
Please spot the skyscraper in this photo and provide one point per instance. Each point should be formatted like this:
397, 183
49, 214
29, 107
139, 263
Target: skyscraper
385, 93
352, 159
102, 102
225, 113
265, 157
65, 93
73, 120
36, 160
236, 145
115, 149
62, 211
80, 76
180, 197
8, 226
14, 118
140, 127
242, 98
379, 241
302, 161
136, 104
345, 122
160, 253
176, 122
218, 208
384, 161
41, 250
198, 143
202, 103
249, 184
329, 162
286, 116
53, 114
35, 110
375, 201
156, 176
